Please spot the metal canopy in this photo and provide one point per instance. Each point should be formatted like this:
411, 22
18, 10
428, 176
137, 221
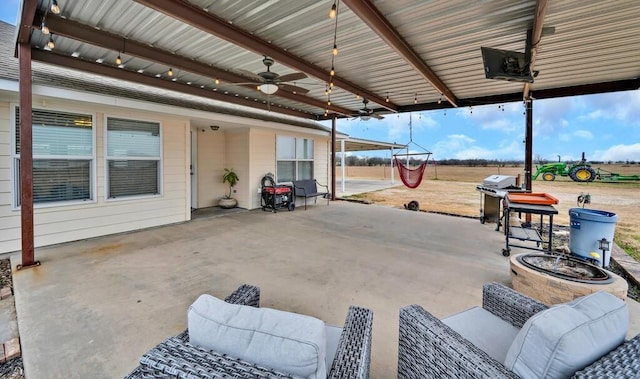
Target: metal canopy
420, 55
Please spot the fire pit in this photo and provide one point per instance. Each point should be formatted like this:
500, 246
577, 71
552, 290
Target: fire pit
554, 279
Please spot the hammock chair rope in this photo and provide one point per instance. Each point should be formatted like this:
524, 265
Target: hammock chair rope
411, 177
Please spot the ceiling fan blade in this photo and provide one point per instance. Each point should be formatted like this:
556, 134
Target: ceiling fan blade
292, 88
257, 78
293, 77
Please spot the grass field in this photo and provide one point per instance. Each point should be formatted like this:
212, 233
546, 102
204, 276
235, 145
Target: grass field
451, 189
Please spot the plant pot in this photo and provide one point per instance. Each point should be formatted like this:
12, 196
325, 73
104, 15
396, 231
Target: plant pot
227, 203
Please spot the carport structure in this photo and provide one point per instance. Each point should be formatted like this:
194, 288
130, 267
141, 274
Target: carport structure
401, 56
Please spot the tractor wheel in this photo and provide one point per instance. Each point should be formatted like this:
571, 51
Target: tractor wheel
548, 176
582, 174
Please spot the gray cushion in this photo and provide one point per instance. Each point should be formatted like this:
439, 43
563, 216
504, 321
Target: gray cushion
563, 339
487, 331
284, 341
333, 334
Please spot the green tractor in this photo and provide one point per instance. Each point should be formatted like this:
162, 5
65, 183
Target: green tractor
578, 172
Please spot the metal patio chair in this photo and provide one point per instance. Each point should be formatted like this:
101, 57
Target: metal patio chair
175, 357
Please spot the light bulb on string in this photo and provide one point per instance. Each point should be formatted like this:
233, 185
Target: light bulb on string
170, 72
51, 44
333, 12
118, 60
415, 99
387, 98
43, 28
54, 7
334, 51
332, 72
440, 100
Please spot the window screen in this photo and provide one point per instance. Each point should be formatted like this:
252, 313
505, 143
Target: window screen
62, 156
133, 157
294, 158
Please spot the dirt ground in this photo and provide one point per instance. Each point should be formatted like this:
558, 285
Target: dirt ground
452, 189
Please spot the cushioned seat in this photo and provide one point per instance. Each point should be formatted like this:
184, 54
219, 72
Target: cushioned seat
514, 336
236, 338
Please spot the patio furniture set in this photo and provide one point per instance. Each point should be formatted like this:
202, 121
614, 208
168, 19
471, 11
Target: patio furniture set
510, 336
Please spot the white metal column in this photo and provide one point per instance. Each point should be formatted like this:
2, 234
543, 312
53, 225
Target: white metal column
342, 168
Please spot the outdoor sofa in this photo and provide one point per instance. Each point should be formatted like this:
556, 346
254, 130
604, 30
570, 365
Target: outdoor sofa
513, 336
347, 353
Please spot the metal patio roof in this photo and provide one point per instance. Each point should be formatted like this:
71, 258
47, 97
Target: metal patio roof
419, 54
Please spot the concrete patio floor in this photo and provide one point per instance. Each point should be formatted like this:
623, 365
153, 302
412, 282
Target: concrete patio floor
95, 306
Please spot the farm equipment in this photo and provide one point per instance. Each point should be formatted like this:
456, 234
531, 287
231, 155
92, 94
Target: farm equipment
579, 172
608, 176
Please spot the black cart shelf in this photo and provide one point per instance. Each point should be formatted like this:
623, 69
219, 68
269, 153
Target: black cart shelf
527, 233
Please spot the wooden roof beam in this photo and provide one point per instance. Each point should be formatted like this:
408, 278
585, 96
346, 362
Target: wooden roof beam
381, 26
27, 14
534, 40
212, 24
135, 77
74, 30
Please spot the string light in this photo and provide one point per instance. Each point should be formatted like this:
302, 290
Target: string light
387, 98
332, 72
118, 59
440, 99
217, 81
43, 27
170, 72
54, 7
51, 44
415, 99
335, 50
330, 85
333, 12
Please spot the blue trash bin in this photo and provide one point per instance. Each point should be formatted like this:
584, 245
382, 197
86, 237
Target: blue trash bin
588, 227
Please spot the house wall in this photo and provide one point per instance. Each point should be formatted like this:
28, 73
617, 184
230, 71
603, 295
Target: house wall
62, 223
210, 167
263, 157
237, 157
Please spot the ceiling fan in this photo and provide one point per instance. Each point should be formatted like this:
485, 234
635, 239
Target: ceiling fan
365, 113
269, 82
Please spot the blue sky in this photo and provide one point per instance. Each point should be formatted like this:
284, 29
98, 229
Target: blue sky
605, 127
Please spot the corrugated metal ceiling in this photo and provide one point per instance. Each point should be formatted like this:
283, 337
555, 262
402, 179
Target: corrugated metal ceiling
594, 42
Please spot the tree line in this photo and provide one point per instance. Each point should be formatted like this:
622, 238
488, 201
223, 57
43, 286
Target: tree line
353, 160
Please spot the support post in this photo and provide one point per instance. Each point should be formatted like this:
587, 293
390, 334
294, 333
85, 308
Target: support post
333, 157
343, 171
392, 168
528, 143
528, 149
26, 157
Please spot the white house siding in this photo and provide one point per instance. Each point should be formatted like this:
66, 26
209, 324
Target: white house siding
63, 223
237, 154
210, 167
263, 156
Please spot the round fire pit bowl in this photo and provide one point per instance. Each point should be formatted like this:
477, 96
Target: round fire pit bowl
555, 279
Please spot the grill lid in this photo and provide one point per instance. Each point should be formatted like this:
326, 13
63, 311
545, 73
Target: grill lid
499, 181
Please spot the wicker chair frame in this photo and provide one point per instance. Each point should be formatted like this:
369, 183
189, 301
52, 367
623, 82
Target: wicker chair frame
175, 357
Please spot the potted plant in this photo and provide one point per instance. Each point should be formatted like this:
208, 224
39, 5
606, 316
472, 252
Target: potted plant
231, 178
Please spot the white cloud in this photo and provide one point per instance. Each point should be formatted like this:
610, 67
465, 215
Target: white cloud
621, 106
585, 134
619, 153
460, 146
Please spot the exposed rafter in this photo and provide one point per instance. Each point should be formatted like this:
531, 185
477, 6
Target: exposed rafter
536, 35
28, 12
382, 27
80, 32
212, 24
113, 72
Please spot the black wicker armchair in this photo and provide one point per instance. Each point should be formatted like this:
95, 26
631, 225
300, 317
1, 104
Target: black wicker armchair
430, 349
177, 358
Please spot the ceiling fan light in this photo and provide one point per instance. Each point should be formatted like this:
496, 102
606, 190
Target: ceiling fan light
269, 88
365, 117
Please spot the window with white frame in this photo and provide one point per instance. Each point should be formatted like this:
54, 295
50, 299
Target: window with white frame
133, 158
294, 158
63, 156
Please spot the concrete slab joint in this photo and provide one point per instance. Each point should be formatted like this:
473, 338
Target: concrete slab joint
11, 349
